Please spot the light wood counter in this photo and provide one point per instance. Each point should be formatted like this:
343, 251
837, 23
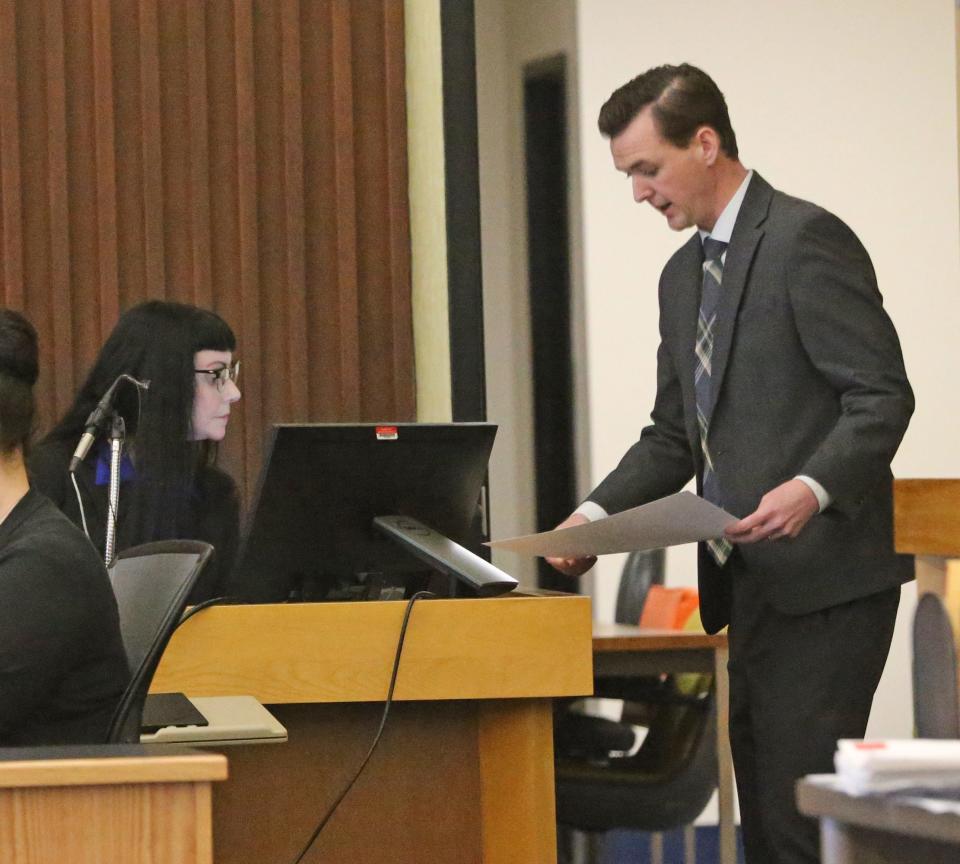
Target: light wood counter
926, 517
107, 805
926, 522
495, 648
465, 768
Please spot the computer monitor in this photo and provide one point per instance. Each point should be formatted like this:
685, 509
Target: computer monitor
310, 535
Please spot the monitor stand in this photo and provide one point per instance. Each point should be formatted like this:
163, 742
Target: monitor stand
448, 557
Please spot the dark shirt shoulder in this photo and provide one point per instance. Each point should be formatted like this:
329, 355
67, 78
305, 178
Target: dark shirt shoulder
47, 468
62, 663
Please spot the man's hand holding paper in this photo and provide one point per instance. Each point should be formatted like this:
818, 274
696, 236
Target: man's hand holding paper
782, 513
574, 566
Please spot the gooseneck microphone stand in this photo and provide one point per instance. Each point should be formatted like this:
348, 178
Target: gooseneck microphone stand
103, 412
117, 432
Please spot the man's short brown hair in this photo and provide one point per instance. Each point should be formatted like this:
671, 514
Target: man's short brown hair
684, 98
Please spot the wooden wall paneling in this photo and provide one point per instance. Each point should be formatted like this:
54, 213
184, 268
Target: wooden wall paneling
270, 204
298, 398
247, 236
225, 246
348, 311
398, 241
81, 178
58, 222
175, 150
106, 170
199, 179
125, 46
151, 181
321, 212
245, 155
373, 236
11, 270
31, 91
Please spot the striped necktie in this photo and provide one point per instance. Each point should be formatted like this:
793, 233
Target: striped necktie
709, 299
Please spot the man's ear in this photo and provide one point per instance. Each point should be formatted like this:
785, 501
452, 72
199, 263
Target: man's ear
707, 141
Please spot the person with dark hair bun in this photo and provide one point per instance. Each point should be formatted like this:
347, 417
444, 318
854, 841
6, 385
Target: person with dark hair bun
170, 487
62, 662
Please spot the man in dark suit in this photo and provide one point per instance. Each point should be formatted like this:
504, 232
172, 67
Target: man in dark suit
781, 388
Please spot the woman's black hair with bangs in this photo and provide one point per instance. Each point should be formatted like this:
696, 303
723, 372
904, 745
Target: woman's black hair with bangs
155, 341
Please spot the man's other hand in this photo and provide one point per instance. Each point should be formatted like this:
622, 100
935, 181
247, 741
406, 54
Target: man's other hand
572, 567
782, 513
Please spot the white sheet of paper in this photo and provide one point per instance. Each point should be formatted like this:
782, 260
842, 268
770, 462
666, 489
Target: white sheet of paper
680, 518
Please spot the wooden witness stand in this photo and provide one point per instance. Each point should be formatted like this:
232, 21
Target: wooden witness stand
926, 517
106, 805
464, 771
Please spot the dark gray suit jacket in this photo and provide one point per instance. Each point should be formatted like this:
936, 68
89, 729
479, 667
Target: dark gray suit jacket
808, 378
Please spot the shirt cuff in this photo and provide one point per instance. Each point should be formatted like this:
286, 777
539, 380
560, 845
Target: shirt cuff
592, 511
824, 498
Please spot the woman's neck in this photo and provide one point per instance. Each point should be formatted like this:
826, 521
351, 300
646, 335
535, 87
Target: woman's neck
13, 481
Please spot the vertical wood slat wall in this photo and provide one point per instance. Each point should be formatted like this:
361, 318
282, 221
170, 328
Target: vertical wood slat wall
244, 155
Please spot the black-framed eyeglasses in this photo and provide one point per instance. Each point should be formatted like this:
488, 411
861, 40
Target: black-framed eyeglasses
223, 374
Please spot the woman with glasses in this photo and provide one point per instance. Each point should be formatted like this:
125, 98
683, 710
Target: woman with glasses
169, 484
62, 663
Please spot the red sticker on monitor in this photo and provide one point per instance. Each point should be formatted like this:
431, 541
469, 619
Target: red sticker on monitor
387, 433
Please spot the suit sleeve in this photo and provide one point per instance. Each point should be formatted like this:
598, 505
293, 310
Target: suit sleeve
851, 341
660, 463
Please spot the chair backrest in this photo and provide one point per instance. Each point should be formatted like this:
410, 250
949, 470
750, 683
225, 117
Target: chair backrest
936, 708
152, 583
640, 571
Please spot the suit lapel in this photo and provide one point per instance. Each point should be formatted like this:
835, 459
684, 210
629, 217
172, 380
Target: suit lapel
747, 233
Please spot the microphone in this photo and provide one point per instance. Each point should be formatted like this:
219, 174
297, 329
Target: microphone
98, 416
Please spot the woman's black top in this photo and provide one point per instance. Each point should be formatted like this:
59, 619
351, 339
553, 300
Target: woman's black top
211, 512
62, 662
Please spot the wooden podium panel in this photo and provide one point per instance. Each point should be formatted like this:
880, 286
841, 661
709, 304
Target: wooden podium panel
926, 517
106, 805
464, 772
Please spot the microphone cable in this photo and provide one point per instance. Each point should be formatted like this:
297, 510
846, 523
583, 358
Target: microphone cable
376, 740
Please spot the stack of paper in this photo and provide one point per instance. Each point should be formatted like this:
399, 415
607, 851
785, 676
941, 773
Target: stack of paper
865, 767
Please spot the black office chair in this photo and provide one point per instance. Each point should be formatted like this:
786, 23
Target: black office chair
152, 583
584, 735
936, 703
665, 785
603, 782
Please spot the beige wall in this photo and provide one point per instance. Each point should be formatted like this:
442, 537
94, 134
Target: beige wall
851, 105
428, 229
510, 35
